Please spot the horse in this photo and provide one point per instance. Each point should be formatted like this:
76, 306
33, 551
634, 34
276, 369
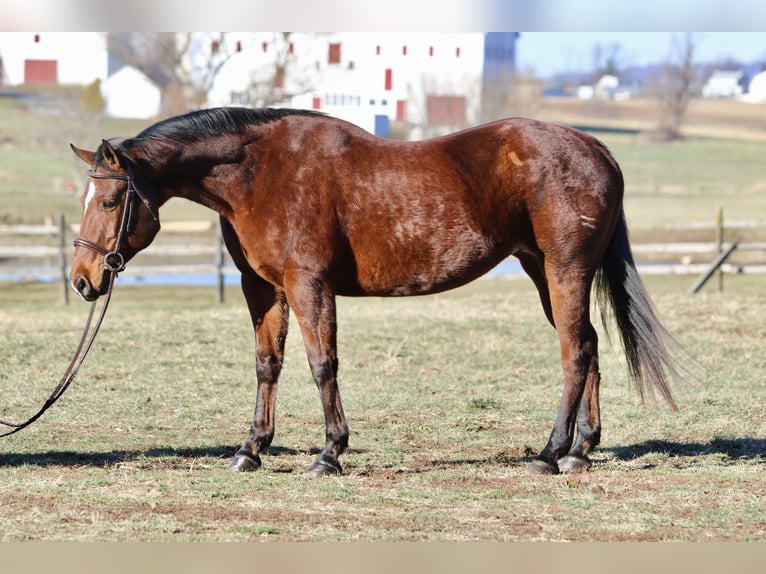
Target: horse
312, 208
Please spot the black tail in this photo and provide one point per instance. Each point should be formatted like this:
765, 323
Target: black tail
645, 340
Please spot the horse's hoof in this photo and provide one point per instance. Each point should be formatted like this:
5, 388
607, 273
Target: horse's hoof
539, 466
244, 463
324, 466
572, 463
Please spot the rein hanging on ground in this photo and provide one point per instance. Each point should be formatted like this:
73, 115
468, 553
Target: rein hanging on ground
114, 263
78, 358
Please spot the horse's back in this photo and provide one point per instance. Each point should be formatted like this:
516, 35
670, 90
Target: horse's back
417, 218
407, 218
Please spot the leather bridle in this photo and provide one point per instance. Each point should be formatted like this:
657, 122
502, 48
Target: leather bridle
114, 263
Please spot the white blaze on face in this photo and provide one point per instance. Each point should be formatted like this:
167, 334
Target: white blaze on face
89, 197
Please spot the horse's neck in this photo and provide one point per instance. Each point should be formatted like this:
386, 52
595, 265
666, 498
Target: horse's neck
202, 193
191, 173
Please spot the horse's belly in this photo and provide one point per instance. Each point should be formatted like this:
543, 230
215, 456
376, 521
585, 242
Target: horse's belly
418, 271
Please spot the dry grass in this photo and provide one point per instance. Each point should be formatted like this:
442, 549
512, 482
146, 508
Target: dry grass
727, 119
447, 397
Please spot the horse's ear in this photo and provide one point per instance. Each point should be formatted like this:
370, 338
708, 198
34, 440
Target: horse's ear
111, 159
84, 155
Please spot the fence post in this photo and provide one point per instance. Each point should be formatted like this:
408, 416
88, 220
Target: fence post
62, 260
713, 267
219, 259
719, 241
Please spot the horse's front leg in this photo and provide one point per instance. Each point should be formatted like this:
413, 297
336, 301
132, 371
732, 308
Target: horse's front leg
269, 313
313, 303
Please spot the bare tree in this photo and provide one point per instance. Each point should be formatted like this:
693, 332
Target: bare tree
511, 94
676, 86
286, 73
183, 65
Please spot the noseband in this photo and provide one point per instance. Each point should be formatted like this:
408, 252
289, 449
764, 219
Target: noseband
114, 261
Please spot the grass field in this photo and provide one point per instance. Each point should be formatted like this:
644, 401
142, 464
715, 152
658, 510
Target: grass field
447, 396
36, 164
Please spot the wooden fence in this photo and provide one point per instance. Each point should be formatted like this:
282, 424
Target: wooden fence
29, 252
42, 252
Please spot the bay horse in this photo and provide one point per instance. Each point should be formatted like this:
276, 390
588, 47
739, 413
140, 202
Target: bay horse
313, 207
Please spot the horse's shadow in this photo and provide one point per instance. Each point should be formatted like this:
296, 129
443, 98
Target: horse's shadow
111, 458
746, 448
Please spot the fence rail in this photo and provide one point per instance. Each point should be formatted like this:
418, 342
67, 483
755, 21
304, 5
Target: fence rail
188, 248
29, 252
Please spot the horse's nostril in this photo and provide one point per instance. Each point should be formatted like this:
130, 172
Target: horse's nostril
80, 284
84, 288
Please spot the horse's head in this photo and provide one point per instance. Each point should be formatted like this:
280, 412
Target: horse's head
118, 220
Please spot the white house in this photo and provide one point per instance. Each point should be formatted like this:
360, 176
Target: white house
130, 94
76, 58
723, 84
756, 91
606, 86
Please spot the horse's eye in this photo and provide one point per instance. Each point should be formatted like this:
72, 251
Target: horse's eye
108, 204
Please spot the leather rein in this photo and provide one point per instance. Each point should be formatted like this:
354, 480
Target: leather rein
114, 263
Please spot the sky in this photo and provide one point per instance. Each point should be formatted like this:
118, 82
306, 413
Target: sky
548, 53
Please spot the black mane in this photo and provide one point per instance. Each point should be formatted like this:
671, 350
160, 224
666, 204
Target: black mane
199, 125
213, 122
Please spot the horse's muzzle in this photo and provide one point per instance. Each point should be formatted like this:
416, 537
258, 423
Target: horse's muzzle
85, 290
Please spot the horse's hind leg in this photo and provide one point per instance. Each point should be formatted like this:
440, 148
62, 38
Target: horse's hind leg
588, 415
570, 300
269, 313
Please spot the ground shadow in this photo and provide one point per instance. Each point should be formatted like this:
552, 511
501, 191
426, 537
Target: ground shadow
735, 448
746, 448
105, 459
